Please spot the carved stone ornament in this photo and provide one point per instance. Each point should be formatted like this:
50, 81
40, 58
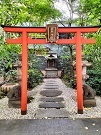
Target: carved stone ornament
52, 33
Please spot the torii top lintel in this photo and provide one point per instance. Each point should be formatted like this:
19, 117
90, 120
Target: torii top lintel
43, 29
19, 29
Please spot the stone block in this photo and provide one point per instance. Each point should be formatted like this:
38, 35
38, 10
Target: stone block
89, 103
57, 105
51, 85
51, 99
14, 104
50, 93
51, 113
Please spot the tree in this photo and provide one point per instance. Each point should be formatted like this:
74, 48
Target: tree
89, 12
30, 12
22, 12
68, 60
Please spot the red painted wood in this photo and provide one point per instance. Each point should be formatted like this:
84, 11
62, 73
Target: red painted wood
74, 30
24, 74
66, 41
59, 41
43, 41
29, 30
88, 41
43, 29
79, 73
36, 41
14, 41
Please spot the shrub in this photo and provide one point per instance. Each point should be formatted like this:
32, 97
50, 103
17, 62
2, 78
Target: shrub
95, 80
12, 75
35, 77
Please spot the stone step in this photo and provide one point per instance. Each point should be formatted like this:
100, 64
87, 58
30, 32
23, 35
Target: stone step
51, 85
51, 93
51, 82
57, 105
50, 88
51, 113
51, 99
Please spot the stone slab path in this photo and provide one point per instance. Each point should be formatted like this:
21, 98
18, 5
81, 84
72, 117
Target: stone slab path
51, 101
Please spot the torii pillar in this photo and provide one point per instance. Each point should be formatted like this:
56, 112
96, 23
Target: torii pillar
78, 40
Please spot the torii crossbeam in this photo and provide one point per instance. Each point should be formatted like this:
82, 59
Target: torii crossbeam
78, 40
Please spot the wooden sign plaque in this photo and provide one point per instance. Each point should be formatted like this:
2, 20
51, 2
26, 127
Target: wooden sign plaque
52, 33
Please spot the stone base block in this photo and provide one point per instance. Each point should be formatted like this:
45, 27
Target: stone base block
89, 103
51, 99
57, 105
14, 104
51, 113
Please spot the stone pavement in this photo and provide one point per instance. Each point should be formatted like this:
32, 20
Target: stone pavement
51, 127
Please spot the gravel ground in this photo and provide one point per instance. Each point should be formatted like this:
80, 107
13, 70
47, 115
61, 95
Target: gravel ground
68, 94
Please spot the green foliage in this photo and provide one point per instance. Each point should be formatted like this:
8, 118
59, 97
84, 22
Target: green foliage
33, 12
89, 13
92, 7
35, 75
67, 65
12, 75
95, 80
93, 54
8, 56
34, 61
29, 99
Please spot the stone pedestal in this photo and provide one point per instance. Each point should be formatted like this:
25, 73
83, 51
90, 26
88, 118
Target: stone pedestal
89, 103
51, 72
14, 103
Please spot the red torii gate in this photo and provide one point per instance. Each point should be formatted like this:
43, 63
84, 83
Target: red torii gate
25, 40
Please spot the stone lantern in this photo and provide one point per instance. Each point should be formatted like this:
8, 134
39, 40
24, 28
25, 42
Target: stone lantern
14, 95
88, 92
85, 64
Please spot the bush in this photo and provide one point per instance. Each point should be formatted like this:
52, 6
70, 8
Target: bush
95, 80
35, 77
12, 75
8, 56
